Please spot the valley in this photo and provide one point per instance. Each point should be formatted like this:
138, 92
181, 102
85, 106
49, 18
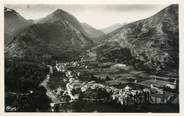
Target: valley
58, 64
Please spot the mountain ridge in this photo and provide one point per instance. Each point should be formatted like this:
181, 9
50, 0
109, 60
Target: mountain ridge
14, 23
58, 15
65, 35
112, 28
152, 41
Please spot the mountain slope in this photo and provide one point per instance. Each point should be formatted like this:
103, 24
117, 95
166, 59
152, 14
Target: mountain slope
14, 22
153, 42
54, 36
112, 28
93, 33
61, 15
35, 46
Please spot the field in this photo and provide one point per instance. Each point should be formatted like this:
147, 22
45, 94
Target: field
108, 75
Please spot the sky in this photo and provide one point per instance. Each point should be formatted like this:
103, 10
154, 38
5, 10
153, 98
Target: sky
98, 16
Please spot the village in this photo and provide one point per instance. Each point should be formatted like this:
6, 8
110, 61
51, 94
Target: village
111, 84
117, 82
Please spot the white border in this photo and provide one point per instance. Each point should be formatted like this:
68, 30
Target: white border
181, 37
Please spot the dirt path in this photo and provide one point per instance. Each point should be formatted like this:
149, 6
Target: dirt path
49, 92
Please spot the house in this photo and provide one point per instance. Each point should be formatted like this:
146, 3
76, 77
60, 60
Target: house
171, 86
156, 89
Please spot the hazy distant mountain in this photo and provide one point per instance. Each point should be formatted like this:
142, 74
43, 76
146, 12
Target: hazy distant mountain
151, 44
14, 22
57, 36
93, 33
112, 28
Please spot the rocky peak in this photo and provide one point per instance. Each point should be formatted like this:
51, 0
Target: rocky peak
59, 12
8, 10
11, 13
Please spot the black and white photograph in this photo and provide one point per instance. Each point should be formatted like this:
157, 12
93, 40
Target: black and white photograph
101, 58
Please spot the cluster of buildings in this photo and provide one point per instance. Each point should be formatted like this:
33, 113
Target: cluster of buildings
123, 96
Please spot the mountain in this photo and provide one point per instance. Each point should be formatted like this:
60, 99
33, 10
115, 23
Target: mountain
93, 33
112, 28
14, 22
61, 15
151, 44
58, 35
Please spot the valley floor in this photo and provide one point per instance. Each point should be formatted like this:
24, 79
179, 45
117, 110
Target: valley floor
107, 87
